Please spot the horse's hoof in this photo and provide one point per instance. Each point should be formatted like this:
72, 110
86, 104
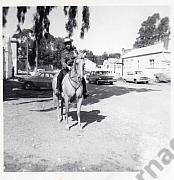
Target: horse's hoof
80, 129
67, 128
59, 120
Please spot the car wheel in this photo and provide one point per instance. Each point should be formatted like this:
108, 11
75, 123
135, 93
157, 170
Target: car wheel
98, 83
135, 81
28, 85
111, 83
147, 82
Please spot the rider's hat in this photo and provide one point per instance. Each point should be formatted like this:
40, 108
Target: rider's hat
67, 40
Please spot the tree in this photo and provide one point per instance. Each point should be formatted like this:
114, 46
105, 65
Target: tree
152, 30
24, 37
163, 29
42, 23
89, 54
49, 50
115, 55
5, 11
105, 56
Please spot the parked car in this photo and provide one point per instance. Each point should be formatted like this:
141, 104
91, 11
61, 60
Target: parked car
100, 77
161, 77
136, 77
42, 80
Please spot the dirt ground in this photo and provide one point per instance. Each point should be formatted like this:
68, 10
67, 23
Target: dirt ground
124, 126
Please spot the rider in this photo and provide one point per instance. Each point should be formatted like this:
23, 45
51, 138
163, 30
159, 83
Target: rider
67, 58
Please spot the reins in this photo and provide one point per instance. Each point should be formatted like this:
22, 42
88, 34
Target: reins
71, 80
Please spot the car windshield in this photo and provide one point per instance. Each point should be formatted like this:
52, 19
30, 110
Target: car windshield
41, 74
102, 72
138, 72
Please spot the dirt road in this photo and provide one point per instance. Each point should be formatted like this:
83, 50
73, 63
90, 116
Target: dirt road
124, 126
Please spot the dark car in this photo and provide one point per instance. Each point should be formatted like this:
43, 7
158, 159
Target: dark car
161, 77
41, 80
100, 77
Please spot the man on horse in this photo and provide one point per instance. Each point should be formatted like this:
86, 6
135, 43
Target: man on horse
67, 59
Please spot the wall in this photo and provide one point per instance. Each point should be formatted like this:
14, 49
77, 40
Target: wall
161, 64
7, 59
14, 56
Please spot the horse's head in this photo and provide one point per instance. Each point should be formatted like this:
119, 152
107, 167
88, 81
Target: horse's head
78, 66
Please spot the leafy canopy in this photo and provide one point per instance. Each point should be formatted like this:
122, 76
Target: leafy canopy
152, 30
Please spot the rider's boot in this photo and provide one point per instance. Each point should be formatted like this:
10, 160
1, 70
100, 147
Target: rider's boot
59, 83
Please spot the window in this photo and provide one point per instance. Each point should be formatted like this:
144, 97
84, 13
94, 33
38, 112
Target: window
42, 75
151, 63
47, 75
138, 72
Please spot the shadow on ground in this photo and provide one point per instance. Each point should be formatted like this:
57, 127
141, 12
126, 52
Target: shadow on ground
87, 117
12, 91
99, 92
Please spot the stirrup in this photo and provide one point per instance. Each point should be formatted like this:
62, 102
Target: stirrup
85, 95
58, 93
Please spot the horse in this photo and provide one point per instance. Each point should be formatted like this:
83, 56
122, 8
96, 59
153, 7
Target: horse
72, 89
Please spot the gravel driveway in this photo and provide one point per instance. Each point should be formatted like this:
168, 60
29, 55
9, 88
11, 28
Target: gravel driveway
124, 126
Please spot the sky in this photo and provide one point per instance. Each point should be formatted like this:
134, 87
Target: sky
111, 27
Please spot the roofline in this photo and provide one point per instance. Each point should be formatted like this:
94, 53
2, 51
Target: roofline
145, 54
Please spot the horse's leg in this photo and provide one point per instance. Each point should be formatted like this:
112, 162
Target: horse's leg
56, 102
79, 104
67, 111
61, 108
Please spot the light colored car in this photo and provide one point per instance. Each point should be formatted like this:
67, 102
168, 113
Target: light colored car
42, 80
100, 77
136, 77
161, 77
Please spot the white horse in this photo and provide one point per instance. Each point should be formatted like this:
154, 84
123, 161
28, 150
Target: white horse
72, 90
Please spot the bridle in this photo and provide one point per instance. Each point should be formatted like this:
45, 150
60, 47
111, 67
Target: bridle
74, 77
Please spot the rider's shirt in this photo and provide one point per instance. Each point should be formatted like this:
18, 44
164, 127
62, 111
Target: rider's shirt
67, 57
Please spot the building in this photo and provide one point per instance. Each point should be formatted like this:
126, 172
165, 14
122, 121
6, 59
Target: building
89, 65
114, 65
151, 59
9, 57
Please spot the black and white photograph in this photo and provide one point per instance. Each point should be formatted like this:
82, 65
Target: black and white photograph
87, 89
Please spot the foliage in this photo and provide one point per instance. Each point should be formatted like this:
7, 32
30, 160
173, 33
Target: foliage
41, 29
71, 24
85, 21
4, 12
24, 37
115, 55
105, 56
49, 51
21, 11
98, 59
152, 30
41, 20
89, 55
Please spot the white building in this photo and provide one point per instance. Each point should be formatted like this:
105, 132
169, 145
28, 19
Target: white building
89, 65
9, 57
151, 59
114, 65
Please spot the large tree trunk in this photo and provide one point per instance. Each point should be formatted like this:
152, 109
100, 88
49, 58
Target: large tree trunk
37, 52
